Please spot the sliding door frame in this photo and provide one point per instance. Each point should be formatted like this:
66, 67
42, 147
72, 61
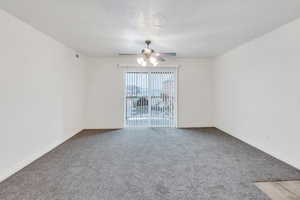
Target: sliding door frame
149, 70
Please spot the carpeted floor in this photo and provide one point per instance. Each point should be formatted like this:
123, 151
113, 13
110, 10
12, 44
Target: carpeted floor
148, 164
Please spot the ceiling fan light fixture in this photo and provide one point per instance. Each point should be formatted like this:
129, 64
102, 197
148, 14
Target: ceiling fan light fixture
153, 59
155, 64
147, 51
140, 60
149, 56
144, 64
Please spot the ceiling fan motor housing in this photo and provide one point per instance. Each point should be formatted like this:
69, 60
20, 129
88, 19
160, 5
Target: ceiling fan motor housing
148, 42
147, 52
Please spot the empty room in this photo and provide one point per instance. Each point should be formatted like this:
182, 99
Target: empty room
150, 100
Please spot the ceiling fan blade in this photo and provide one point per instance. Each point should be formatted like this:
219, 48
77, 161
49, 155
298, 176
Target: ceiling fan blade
168, 54
128, 54
161, 59
161, 54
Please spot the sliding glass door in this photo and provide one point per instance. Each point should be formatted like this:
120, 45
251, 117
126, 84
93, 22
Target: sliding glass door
150, 97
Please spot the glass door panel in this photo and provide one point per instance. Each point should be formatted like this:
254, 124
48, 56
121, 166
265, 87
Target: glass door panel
150, 98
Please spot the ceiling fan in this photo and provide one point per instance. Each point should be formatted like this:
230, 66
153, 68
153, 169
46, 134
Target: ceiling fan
148, 55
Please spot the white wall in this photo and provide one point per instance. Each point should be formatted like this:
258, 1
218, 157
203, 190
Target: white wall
105, 92
257, 93
42, 91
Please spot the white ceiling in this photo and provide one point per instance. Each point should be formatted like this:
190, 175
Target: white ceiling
192, 28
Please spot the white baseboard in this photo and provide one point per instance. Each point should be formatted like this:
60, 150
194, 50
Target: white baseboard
20, 165
194, 125
274, 154
39, 154
103, 128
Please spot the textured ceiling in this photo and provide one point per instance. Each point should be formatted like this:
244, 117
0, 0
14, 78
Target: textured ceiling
192, 28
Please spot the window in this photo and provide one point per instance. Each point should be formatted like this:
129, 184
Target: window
150, 97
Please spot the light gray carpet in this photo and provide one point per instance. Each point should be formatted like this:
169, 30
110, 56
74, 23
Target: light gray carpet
148, 164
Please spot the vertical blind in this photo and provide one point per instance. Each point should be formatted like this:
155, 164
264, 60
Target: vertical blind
150, 99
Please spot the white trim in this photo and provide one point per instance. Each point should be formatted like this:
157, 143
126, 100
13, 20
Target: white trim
151, 69
139, 66
149, 100
20, 165
124, 98
260, 147
176, 95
